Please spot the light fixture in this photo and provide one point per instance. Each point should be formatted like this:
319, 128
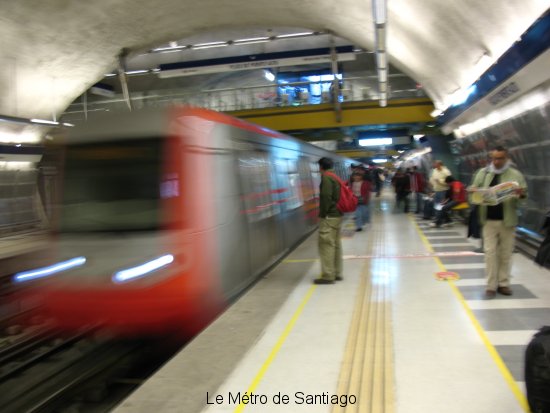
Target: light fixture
209, 45
44, 122
435, 113
379, 11
143, 269
375, 142
268, 74
50, 270
290, 35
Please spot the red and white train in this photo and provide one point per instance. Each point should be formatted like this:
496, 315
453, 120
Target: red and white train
165, 216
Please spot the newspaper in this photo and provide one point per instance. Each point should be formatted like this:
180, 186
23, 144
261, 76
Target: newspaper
493, 195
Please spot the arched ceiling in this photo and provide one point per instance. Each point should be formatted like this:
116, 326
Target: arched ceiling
52, 51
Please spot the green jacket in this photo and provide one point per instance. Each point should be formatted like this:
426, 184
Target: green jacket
483, 178
329, 194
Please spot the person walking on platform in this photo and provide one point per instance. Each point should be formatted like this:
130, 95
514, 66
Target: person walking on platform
330, 223
402, 185
437, 181
499, 221
418, 184
361, 188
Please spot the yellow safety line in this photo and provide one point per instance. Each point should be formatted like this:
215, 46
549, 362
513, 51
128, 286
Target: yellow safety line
367, 366
282, 338
490, 347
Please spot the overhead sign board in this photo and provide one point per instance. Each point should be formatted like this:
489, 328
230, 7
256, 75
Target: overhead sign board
261, 61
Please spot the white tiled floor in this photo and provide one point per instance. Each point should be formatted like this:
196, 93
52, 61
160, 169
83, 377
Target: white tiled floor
443, 362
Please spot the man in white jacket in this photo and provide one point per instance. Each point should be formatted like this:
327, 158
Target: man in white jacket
437, 180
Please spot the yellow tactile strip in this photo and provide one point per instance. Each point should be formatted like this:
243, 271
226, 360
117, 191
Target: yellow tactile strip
368, 369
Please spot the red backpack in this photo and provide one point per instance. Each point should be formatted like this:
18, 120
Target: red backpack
459, 191
347, 201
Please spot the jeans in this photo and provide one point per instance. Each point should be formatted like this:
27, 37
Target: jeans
362, 215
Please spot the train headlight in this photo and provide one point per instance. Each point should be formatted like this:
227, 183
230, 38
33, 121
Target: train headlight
51, 270
143, 269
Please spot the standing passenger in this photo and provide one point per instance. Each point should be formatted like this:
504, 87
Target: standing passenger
330, 244
499, 222
437, 180
402, 186
361, 188
418, 187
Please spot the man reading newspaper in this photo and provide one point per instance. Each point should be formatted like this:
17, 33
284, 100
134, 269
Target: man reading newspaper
500, 218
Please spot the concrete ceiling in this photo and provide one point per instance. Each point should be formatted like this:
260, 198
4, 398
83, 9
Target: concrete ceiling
52, 51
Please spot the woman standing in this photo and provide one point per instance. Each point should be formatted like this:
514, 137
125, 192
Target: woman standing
361, 188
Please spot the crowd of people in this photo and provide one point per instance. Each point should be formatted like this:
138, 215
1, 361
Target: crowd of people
433, 197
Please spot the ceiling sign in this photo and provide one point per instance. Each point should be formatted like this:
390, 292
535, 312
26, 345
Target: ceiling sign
259, 61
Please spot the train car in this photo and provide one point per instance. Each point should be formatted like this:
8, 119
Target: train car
166, 216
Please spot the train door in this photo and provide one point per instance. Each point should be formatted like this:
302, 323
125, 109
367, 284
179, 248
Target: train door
261, 207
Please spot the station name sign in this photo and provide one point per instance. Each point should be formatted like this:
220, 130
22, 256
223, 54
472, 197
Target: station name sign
253, 62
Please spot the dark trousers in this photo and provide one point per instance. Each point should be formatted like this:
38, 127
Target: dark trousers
443, 213
402, 197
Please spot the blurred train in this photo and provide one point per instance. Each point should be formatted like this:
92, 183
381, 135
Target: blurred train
166, 216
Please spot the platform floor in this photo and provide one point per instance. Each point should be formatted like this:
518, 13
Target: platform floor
390, 337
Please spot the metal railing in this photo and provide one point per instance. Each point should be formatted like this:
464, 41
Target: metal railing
354, 89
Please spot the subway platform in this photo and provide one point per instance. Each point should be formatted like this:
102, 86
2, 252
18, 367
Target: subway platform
408, 330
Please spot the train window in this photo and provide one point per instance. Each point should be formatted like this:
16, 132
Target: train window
306, 182
257, 195
316, 176
112, 186
294, 192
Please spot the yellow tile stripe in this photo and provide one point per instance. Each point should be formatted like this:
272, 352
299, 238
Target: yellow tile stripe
368, 367
522, 400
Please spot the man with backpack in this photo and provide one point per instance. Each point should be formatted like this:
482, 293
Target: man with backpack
330, 223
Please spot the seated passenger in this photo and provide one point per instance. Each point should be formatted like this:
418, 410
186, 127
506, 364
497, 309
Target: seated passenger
456, 194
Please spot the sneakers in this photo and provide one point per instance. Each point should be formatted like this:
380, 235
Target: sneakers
504, 290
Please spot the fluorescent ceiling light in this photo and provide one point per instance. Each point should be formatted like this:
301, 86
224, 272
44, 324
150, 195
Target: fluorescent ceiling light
286, 36
169, 49
379, 11
416, 137
379, 160
47, 271
208, 45
140, 270
241, 42
435, 113
137, 72
44, 122
269, 75
375, 141
252, 39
